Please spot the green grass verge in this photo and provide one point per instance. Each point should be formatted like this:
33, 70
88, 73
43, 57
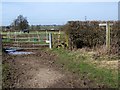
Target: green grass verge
76, 64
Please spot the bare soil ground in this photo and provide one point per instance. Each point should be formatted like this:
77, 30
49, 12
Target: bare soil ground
40, 71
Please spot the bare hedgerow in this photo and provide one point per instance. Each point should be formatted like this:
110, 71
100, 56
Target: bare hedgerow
88, 34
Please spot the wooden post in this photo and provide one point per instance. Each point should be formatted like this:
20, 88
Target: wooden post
107, 35
67, 40
53, 41
38, 36
46, 35
15, 38
59, 37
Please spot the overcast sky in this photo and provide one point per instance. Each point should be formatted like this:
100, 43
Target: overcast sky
58, 12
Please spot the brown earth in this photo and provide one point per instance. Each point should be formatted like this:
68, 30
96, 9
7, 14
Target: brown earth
40, 71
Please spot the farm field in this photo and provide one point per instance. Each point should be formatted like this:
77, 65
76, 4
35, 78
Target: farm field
31, 32
58, 68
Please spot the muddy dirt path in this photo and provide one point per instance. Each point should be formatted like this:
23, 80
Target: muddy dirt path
39, 71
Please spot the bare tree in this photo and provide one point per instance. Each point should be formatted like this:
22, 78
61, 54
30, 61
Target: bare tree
20, 23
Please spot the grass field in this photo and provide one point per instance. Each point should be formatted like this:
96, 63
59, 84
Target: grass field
79, 62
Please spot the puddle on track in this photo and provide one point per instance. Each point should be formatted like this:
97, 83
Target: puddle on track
13, 51
20, 53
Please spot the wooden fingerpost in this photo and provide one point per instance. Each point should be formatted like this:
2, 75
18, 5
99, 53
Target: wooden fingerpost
107, 25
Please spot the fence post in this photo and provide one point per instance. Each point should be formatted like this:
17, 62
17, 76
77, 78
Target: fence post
50, 40
67, 39
108, 37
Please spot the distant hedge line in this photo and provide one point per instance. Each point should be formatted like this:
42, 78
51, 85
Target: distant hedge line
89, 34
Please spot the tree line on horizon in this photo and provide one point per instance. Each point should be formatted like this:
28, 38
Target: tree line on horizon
21, 23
